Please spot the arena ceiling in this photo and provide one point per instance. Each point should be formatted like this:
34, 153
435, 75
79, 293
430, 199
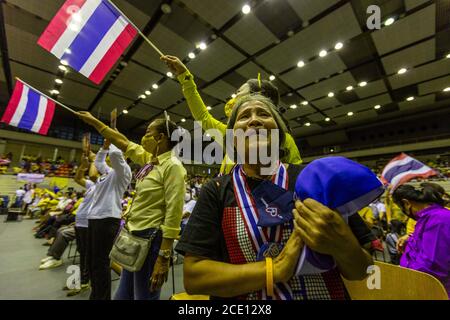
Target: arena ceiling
272, 39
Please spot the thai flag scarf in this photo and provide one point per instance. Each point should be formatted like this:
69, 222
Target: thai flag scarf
263, 239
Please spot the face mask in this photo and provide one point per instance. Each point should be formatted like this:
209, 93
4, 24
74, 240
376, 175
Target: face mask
187, 197
148, 143
229, 107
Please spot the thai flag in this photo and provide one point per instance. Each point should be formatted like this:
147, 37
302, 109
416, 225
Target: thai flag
89, 35
403, 168
29, 109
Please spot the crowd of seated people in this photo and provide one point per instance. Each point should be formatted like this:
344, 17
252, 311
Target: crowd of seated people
58, 168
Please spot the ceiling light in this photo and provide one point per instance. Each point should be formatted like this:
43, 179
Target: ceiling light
350, 114
402, 71
305, 103
349, 88
155, 86
147, 93
294, 106
208, 108
169, 74
202, 46
68, 51
448, 56
166, 8
327, 119
377, 107
339, 46
301, 64
58, 81
54, 91
246, 9
233, 95
331, 94
447, 89
191, 55
389, 21
307, 124
272, 77
142, 96
323, 53
125, 111
64, 62
183, 120
62, 68
363, 84
410, 99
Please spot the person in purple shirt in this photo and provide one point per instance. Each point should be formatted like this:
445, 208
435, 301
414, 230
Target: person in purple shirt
428, 248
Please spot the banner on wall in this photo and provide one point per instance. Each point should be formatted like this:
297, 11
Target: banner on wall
31, 177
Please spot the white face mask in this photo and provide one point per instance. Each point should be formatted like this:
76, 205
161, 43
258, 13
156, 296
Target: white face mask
187, 197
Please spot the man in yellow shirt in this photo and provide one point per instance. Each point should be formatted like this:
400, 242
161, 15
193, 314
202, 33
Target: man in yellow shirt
200, 112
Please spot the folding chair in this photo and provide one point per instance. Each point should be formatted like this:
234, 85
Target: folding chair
398, 283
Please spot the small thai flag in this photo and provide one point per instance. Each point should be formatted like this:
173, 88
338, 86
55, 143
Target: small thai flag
403, 168
89, 35
29, 109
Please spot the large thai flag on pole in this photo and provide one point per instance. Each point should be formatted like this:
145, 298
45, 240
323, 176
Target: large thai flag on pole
29, 109
88, 35
403, 168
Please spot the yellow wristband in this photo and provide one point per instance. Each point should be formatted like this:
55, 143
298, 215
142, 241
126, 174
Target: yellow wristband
269, 277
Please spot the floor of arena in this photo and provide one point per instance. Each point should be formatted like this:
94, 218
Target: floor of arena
21, 278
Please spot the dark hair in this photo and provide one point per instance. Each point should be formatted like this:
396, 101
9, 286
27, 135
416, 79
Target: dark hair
167, 128
423, 194
396, 226
267, 89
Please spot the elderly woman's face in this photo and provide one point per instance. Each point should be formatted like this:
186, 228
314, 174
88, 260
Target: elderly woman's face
252, 118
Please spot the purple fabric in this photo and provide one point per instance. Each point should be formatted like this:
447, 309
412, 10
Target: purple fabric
428, 248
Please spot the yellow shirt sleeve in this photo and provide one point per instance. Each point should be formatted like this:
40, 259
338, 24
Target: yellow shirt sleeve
174, 191
410, 226
294, 154
137, 154
196, 104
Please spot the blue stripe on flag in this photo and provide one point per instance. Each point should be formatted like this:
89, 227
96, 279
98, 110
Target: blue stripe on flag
31, 110
90, 36
412, 165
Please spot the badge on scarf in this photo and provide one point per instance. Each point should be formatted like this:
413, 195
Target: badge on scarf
269, 250
274, 204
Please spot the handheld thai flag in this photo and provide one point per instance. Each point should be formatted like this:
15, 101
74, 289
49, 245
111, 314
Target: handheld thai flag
88, 35
403, 168
29, 109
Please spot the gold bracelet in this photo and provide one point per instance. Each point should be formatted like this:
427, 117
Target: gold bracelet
269, 276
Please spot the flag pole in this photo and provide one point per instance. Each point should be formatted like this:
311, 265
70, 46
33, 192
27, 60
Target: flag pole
138, 30
55, 101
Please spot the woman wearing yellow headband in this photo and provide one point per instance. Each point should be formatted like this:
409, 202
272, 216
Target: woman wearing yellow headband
201, 113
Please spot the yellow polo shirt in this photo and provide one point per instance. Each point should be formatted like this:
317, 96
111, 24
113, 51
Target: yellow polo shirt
159, 198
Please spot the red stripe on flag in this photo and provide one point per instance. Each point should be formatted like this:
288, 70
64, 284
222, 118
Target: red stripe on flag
113, 54
13, 103
59, 24
48, 117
